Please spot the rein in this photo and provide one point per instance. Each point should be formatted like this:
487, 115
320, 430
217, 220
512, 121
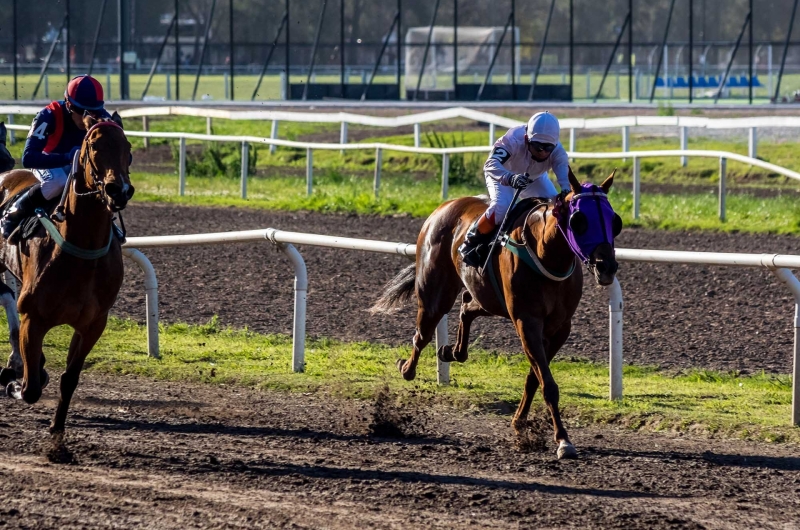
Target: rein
66, 246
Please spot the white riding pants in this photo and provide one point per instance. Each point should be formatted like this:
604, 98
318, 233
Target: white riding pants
53, 180
500, 196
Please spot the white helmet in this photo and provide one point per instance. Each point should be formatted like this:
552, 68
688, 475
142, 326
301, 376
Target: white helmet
543, 127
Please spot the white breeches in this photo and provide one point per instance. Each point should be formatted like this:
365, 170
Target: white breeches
53, 180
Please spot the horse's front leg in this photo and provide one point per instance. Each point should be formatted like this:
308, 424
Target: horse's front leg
470, 310
15, 367
530, 330
82, 343
34, 378
552, 347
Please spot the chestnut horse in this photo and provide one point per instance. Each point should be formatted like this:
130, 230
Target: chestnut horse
71, 275
531, 282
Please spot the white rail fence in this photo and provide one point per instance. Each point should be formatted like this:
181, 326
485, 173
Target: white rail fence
624, 123
379, 148
778, 264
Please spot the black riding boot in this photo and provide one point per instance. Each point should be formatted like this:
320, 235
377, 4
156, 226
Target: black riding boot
22, 209
471, 250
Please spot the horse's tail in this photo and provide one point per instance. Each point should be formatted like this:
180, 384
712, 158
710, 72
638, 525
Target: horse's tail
397, 292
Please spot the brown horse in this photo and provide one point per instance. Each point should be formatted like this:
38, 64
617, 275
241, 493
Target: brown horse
72, 275
531, 282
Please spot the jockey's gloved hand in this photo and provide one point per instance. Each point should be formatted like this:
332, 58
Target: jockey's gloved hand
562, 194
72, 152
519, 181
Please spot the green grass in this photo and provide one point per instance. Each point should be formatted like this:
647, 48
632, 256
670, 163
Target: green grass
756, 407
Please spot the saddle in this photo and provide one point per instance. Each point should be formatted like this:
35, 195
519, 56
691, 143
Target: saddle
522, 207
29, 227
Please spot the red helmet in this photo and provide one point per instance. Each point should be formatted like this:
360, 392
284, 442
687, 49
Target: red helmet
85, 93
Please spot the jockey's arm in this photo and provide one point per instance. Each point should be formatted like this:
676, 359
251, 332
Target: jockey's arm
559, 162
501, 153
33, 156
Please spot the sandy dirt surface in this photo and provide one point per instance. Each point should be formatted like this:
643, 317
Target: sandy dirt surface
141, 454
676, 316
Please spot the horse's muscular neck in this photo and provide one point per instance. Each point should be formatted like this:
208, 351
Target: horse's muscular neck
552, 248
88, 221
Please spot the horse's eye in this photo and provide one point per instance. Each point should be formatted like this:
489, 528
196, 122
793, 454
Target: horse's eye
578, 223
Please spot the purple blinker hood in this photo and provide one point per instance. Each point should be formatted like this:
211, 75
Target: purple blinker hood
592, 215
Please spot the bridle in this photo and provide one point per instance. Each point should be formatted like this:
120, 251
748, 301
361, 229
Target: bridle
85, 162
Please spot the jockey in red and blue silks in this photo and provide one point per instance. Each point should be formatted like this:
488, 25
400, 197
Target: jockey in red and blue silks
55, 136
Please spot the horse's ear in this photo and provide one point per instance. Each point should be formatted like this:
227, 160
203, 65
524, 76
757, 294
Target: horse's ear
606, 185
573, 181
89, 120
116, 118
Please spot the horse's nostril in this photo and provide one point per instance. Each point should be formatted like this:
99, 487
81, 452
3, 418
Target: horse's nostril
113, 189
129, 193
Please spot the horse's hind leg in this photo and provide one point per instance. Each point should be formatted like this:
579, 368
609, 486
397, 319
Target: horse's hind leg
15, 367
80, 346
34, 378
470, 310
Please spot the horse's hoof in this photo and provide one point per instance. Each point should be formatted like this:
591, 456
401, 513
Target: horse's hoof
45, 378
445, 354
566, 450
408, 373
14, 390
7, 375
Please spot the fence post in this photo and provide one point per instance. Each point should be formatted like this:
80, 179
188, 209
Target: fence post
445, 175
722, 168
442, 369
227, 85
12, 134
572, 140
108, 83
787, 277
309, 170
182, 168
626, 140
491, 134
378, 161
684, 133
615, 340
416, 134
46, 87
636, 186
145, 128
169, 88
208, 125
273, 134
343, 135
245, 167
752, 143
588, 84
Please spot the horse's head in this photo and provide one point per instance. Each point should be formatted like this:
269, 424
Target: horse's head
590, 225
106, 158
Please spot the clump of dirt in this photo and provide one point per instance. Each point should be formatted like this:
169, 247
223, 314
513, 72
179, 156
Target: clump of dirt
392, 419
58, 452
535, 435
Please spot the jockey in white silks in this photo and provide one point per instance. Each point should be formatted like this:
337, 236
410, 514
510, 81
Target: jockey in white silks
526, 150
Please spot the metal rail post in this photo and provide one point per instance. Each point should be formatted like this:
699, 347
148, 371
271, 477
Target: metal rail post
684, 135
182, 168
786, 276
442, 339
378, 162
445, 175
150, 298
309, 170
145, 128
245, 167
752, 142
722, 170
417, 134
273, 134
343, 135
492, 134
637, 193
615, 307
626, 140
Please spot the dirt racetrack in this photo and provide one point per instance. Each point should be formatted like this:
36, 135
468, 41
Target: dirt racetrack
676, 316
166, 455
156, 455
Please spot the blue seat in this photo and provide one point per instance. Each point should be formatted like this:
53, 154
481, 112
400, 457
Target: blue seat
732, 82
700, 82
756, 82
659, 82
680, 82
713, 81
